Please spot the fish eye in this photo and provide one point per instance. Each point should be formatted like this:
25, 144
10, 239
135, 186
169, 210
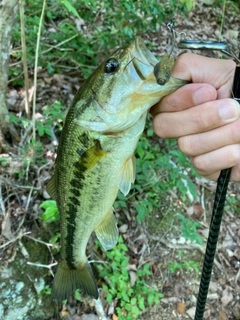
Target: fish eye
111, 66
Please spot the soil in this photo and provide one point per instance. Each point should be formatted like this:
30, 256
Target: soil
157, 240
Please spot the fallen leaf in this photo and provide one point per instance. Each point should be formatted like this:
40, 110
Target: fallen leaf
181, 308
198, 210
226, 297
133, 277
191, 312
222, 316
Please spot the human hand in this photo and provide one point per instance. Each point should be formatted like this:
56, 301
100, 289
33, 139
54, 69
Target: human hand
202, 116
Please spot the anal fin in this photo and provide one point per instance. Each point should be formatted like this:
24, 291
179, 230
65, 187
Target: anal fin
107, 231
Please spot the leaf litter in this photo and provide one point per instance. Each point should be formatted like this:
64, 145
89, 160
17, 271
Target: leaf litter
21, 196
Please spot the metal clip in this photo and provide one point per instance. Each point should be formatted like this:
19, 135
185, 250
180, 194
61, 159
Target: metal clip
208, 45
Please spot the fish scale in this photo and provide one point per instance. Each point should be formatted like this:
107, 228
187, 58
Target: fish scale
95, 158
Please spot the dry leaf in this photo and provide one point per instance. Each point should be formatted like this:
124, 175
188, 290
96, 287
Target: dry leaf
133, 277
222, 316
181, 308
226, 297
198, 210
114, 317
191, 312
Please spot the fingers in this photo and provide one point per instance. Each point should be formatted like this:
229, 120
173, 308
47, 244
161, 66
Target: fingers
205, 142
185, 98
200, 69
202, 118
210, 164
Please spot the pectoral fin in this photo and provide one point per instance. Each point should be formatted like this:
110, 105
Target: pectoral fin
51, 190
107, 231
127, 175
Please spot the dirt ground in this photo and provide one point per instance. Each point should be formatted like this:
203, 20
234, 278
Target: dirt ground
158, 240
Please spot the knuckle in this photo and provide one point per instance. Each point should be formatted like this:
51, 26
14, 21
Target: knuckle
185, 145
199, 165
235, 155
203, 121
184, 58
234, 131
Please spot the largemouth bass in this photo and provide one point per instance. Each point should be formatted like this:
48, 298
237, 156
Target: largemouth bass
95, 157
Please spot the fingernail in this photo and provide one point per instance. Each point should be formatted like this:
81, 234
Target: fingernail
229, 111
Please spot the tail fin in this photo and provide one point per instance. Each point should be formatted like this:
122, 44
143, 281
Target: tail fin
66, 281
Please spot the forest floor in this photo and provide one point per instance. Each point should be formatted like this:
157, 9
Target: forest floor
157, 240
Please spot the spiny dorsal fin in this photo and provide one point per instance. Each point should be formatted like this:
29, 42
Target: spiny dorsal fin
107, 231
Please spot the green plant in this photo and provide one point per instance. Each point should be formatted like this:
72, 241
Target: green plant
188, 3
46, 290
156, 174
189, 229
77, 34
53, 116
51, 212
185, 265
232, 204
32, 153
4, 160
131, 300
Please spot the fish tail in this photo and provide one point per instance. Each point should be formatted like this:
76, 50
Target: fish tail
67, 280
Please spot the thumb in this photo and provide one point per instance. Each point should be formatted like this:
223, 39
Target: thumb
200, 69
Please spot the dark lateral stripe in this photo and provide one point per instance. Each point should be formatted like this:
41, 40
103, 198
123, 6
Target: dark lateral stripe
77, 184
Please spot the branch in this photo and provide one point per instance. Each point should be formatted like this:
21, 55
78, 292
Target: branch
24, 58
36, 67
99, 309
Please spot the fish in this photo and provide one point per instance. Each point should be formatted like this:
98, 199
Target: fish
95, 158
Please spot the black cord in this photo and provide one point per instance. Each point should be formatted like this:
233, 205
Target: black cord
218, 207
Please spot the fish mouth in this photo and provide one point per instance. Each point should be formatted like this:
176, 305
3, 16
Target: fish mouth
143, 53
142, 59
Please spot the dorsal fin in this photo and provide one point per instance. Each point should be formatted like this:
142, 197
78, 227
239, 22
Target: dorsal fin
51, 190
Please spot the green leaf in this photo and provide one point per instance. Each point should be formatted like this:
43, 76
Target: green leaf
70, 8
48, 131
55, 238
48, 203
78, 295
50, 214
141, 303
40, 128
150, 298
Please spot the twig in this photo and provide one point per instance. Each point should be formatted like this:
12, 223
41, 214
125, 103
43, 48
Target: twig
15, 239
49, 266
24, 58
3, 211
59, 44
99, 309
25, 136
36, 67
40, 241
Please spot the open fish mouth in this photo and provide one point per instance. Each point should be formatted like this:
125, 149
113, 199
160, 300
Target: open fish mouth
142, 59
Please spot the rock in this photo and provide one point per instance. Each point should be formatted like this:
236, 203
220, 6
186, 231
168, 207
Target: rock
89, 317
20, 287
